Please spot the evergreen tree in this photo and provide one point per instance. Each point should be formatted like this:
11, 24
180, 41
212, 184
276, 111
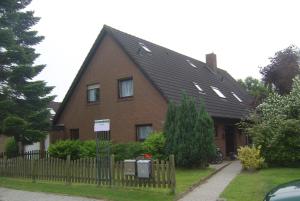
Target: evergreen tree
189, 133
23, 102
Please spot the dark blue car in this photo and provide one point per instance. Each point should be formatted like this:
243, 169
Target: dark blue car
285, 192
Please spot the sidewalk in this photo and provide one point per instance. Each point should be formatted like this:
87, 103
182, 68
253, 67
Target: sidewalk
213, 187
7, 194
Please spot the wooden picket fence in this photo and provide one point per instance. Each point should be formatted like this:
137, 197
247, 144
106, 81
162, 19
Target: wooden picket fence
84, 170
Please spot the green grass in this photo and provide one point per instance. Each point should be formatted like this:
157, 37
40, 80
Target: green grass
253, 186
184, 179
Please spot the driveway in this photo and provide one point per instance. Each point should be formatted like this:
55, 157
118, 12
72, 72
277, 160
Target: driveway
17, 195
213, 187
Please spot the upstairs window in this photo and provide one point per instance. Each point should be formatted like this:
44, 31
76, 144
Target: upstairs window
236, 96
125, 87
145, 47
93, 93
198, 87
143, 131
191, 63
218, 92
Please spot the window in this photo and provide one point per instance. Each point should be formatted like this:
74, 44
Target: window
236, 96
198, 87
218, 92
191, 63
125, 88
143, 131
93, 93
74, 134
145, 47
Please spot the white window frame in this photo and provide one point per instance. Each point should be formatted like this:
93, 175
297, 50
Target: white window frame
218, 92
145, 47
94, 88
237, 97
198, 87
191, 63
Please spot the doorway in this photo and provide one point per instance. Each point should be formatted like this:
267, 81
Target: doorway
230, 140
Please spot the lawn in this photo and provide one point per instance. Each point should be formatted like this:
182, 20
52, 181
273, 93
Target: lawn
184, 179
253, 186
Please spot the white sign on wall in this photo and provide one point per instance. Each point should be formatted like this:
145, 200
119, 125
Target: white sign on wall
102, 125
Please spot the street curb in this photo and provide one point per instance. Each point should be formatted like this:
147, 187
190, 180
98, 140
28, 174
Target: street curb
195, 185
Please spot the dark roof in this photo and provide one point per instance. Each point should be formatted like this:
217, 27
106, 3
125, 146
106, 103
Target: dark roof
171, 74
54, 105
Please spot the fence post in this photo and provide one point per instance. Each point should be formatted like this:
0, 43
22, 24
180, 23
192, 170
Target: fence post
112, 169
67, 170
5, 166
173, 175
33, 164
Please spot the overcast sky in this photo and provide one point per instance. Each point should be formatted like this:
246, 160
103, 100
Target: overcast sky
243, 34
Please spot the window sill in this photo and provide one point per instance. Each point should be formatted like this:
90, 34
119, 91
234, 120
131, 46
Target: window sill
129, 98
93, 103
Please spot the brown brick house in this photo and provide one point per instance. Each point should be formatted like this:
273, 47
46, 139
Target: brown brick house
130, 81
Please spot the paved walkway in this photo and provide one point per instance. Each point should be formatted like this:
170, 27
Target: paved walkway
17, 195
213, 187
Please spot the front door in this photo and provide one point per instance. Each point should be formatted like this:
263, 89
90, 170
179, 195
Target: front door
229, 139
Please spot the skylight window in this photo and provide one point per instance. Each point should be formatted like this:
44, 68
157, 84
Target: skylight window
198, 87
145, 47
218, 92
191, 63
236, 96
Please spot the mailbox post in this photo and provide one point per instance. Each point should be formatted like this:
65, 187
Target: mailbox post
102, 130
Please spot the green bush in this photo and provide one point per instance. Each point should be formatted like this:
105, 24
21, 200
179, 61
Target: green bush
155, 145
82, 149
127, 150
63, 148
11, 148
250, 158
189, 133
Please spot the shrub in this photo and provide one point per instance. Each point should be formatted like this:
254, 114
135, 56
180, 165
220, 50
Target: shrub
189, 133
155, 145
11, 148
63, 148
250, 157
127, 150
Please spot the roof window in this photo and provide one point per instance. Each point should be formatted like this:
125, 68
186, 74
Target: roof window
236, 96
198, 87
191, 63
218, 92
145, 47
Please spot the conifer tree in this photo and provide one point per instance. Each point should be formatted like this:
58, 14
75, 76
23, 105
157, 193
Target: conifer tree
23, 102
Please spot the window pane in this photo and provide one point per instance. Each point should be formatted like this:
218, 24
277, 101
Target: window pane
144, 132
93, 95
126, 88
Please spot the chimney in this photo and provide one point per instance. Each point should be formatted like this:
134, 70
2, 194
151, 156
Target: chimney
211, 61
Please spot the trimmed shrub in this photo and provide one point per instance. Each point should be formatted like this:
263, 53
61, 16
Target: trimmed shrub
155, 145
11, 148
63, 148
127, 150
250, 158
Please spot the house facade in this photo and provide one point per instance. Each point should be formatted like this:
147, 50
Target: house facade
130, 81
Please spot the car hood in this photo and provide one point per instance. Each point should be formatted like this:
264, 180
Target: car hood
285, 192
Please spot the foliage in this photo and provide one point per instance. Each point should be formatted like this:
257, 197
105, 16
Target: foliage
275, 126
63, 148
22, 100
255, 88
155, 145
11, 148
189, 133
283, 67
250, 157
127, 150
82, 149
